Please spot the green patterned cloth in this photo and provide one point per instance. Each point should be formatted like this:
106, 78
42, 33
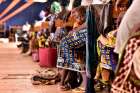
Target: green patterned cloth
55, 7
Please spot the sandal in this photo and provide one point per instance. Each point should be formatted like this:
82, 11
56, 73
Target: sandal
79, 90
98, 86
66, 87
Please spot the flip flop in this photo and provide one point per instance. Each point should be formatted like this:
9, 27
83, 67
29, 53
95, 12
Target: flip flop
65, 87
79, 90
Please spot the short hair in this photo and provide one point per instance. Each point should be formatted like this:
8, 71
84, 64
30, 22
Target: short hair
81, 10
76, 3
64, 2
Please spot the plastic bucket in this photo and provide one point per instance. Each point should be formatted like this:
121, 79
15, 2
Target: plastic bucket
47, 57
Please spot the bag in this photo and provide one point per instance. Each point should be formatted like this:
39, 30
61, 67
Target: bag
48, 76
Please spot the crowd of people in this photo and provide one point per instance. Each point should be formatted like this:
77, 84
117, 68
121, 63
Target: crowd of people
117, 43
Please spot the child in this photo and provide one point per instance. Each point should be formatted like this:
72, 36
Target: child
107, 58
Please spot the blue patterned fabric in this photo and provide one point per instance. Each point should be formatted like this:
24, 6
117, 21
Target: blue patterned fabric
69, 46
59, 34
110, 61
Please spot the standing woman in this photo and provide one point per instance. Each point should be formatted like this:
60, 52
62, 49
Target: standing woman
70, 43
131, 18
127, 78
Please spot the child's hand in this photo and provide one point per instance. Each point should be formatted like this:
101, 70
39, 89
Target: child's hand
70, 33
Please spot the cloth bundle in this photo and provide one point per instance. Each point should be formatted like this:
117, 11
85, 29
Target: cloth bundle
48, 76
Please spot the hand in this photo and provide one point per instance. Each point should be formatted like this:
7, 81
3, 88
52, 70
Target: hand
71, 33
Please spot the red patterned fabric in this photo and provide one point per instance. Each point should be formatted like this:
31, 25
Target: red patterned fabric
122, 83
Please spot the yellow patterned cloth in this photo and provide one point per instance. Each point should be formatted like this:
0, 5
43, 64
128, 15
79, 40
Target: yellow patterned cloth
105, 49
109, 41
41, 41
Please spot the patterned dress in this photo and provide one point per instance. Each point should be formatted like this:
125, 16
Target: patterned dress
107, 57
126, 80
68, 47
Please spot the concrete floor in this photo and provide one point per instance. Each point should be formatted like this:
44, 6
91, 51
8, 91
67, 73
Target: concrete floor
16, 70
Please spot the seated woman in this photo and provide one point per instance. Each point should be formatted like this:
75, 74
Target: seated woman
74, 40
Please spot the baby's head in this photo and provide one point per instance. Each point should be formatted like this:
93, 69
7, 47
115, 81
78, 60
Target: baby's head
80, 14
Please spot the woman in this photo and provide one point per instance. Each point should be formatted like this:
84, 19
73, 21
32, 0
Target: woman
131, 18
75, 39
127, 78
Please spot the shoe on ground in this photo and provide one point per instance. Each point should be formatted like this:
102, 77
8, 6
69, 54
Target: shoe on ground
78, 90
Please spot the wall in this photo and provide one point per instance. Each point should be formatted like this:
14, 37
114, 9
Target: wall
29, 14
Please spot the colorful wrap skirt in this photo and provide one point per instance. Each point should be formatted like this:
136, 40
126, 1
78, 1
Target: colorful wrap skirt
68, 47
108, 59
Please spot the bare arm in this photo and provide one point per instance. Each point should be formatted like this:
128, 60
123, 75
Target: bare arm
83, 26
